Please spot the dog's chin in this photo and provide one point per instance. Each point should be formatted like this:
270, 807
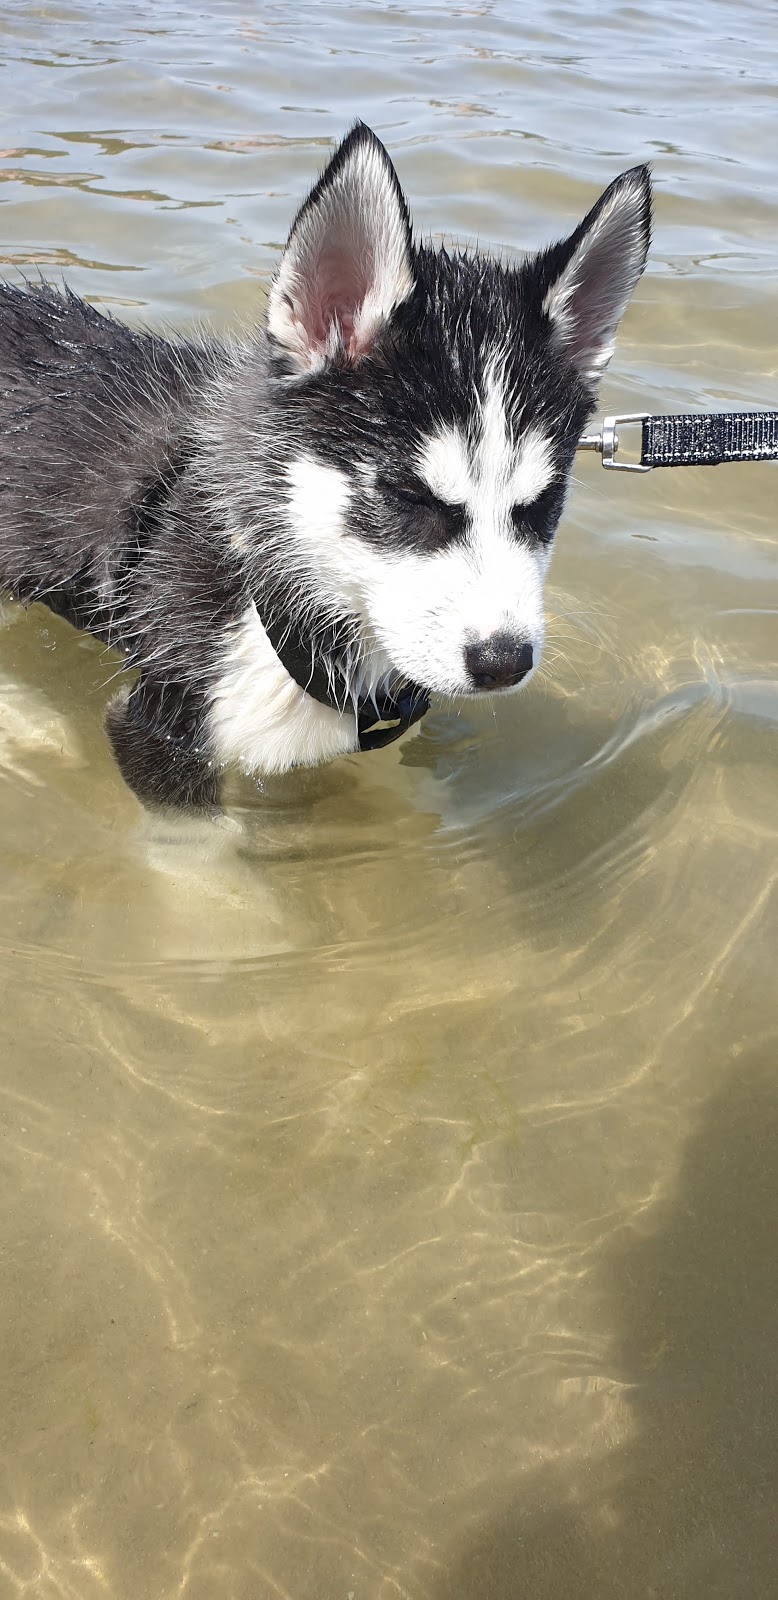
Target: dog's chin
498, 691
472, 691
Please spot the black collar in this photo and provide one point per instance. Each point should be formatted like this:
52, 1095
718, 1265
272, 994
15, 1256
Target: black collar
381, 718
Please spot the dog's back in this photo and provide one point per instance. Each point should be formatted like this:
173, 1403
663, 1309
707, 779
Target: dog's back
92, 416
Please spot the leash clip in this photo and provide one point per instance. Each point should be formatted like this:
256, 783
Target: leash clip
606, 443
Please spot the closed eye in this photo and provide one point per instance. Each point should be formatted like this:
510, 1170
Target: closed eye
432, 522
537, 521
416, 493
416, 497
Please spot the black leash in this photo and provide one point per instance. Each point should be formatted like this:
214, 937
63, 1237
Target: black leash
704, 440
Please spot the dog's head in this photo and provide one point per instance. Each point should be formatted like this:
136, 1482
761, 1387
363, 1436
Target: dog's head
431, 404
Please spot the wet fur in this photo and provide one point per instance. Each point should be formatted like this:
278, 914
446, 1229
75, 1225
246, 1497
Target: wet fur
145, 484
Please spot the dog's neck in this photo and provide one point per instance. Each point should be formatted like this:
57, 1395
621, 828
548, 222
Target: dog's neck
324, 661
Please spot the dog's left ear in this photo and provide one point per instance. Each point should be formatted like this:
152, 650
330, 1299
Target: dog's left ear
589, 279
348, 259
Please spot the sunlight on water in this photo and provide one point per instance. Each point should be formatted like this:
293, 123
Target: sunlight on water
389, 1168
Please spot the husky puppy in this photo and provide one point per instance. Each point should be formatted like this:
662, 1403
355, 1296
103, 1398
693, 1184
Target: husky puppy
295, 539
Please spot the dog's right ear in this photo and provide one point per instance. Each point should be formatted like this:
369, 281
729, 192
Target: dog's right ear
348, 259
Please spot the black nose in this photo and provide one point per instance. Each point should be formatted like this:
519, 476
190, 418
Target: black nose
498, 662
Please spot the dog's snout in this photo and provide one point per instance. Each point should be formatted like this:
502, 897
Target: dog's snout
499, 662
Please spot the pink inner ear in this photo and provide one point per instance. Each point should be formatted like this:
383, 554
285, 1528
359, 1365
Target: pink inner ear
335, 294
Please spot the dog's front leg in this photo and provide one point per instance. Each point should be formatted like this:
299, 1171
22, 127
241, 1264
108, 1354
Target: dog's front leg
157, 753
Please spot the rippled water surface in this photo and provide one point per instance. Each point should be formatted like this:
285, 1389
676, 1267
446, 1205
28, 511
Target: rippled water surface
388, 1175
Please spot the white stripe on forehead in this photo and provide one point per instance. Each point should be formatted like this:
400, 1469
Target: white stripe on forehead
443, 463
533, 467
510, 474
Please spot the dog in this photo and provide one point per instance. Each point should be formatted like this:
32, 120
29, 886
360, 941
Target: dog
295, 539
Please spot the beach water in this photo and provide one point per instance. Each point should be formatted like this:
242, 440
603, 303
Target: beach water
389, 1194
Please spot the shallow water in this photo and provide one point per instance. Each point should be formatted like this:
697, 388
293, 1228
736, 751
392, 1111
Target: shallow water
389, 1200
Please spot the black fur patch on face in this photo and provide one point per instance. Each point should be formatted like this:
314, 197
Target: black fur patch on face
408, 515
537, 523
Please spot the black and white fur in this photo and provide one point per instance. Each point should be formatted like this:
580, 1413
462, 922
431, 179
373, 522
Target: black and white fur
383, 466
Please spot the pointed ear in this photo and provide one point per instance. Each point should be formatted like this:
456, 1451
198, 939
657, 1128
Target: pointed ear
348, 259
589, 278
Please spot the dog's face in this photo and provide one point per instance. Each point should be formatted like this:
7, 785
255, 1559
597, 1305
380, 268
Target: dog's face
433, 404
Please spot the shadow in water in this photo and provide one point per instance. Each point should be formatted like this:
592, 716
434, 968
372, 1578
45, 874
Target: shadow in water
685, 1509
